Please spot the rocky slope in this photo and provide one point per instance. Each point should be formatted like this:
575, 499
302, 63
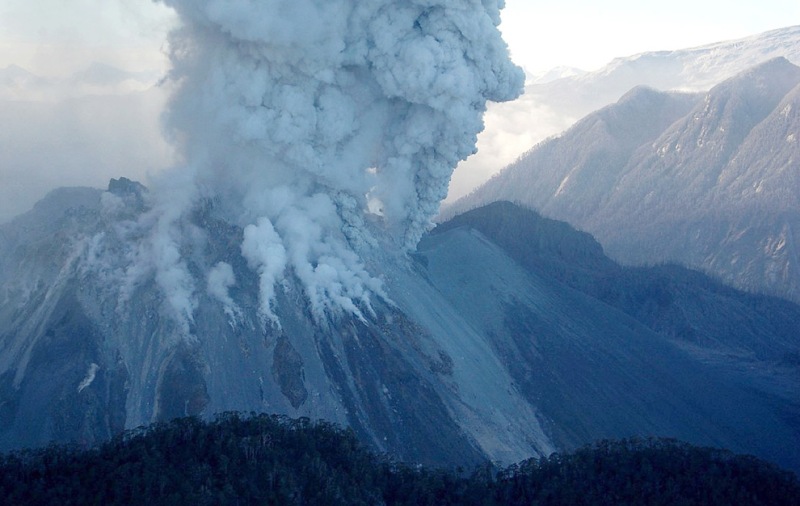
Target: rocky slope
555, 102
708, 181
484, 348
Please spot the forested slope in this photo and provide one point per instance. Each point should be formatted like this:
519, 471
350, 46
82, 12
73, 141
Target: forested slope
276, 460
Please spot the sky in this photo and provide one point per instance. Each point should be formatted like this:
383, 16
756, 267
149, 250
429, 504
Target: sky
53, 37
587, 35
56, 39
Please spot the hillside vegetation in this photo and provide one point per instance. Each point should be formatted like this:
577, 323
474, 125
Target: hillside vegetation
261, 459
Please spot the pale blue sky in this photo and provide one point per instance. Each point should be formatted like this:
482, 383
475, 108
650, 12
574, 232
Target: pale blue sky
55, 37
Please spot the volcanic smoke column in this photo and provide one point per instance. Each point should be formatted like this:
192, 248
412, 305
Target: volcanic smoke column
303, 116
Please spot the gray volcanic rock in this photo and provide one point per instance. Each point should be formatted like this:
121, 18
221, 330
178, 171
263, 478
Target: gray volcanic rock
83, 355
483, 349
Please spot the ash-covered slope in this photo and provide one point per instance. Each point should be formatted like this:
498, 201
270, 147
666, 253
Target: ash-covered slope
605, 350
83, 358
712, 183
686, 306
316, 142
474, 354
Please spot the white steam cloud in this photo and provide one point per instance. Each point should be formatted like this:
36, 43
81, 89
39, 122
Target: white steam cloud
90, 375
220, 280
301, 117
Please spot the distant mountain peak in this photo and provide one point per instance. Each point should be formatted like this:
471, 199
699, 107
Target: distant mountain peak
700, 67
776, 73
709, 180
555, 73
552, 106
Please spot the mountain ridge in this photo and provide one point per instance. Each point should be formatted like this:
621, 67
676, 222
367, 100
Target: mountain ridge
559, 104
714, 190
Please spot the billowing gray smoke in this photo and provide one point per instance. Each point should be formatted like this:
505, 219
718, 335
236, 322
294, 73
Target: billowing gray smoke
322, 127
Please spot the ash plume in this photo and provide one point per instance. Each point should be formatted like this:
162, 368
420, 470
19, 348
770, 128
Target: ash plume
322, 127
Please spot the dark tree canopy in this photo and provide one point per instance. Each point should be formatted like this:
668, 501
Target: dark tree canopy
261, 459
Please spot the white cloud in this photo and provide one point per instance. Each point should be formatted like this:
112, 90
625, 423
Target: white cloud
91, 373
220, 280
